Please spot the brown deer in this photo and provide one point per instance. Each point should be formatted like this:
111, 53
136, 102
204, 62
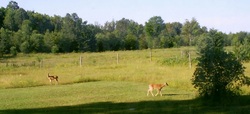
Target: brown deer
51, 78
158, 87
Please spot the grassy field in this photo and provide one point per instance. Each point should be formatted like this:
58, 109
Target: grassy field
105, 84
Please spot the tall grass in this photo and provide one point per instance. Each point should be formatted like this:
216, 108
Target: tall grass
27, 70
167, 65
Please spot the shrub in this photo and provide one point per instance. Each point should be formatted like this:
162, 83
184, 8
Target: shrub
218, 74
54, 49
13, 51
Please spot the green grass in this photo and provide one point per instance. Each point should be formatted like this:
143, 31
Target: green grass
101, 85
109, 97
135, 66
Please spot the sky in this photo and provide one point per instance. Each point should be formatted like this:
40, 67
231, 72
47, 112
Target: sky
224, 15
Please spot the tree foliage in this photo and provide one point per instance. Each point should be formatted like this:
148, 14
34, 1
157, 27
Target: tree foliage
29, 31
190, 31
241, 41
218, 74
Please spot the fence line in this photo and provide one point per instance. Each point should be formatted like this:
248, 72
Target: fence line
86, 59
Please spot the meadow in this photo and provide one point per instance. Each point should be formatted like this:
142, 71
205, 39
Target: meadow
107, 82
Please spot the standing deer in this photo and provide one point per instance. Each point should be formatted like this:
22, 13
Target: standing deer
158, 87
51, 78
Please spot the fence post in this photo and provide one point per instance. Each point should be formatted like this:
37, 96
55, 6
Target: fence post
41, 63
189, 59
80, 61
117, 58
150, 54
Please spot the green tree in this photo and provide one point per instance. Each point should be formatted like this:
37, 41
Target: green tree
26, 30
67, 42
143, 42
242, 51
40, 22
169, 37
13, 17
19, 16
54, 49
5, 42
122, 27
9, 21
25, 47
57, 23
13, 5
36, 42
153, 28
190, 31
131, 42
214, 77
109, 26
101, 42
87, 41
13, 51
2, 15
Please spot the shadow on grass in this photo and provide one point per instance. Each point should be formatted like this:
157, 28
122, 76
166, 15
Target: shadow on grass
237, 106
173, 94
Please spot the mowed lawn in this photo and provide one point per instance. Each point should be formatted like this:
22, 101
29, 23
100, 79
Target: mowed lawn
99, 96
108, 82
110, 97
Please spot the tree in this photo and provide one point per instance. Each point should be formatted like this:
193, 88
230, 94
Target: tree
26, 30
190, 30
67, 42
218, 74
242, 51
2, 15
87, 41
9, 21
16, 40
13, 51
169, 37
153, 28
109, 26
20, 16
13, 5
25, 47
41, 23
5, 42
131, 42
241, 42
36, 42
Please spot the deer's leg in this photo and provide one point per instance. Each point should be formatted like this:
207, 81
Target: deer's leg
158, 91
150, 90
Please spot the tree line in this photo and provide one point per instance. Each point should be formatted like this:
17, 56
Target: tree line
31, 32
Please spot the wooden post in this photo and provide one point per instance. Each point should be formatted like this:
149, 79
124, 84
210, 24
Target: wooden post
80, 61
189, 59
41, 63
117, 58
150, 54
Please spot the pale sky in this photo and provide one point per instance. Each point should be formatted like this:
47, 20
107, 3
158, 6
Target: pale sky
223, 15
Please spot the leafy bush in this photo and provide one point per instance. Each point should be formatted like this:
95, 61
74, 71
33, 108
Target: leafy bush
54, 49
13, 51
218, 74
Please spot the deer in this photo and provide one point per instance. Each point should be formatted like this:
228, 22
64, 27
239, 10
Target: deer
158, 87
51, 78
